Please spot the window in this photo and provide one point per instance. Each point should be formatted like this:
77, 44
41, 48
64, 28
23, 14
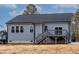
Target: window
45, 28
17, 29
58, 30
31, 29
13, 29
21, 29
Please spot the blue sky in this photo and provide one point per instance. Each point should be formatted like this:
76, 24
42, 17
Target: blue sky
8, 11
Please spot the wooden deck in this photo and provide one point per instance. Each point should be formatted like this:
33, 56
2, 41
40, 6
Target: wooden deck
62, 38
51, 33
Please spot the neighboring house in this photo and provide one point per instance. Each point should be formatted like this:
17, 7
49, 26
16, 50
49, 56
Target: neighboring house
3, 37
40, 28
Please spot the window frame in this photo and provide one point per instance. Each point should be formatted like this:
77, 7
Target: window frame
45, 28
31, 29
17, 29
21, 29
13, 29
58, 31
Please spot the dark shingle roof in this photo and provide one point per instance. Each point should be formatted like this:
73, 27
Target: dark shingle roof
40, 18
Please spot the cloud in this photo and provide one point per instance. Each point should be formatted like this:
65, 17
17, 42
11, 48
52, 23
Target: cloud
38, 7
75, 6
68, 5
11, 6
56, 10
13, 13
60, 11
21, 11
62, 8
41, 10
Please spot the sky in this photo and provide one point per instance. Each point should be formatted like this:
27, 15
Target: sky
9, 11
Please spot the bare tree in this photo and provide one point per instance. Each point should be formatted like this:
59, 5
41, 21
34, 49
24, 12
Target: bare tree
76, 24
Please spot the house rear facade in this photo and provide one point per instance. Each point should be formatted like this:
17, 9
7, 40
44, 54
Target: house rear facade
40, 28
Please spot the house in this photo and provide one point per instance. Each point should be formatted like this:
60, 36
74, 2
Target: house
40, 28
3, 36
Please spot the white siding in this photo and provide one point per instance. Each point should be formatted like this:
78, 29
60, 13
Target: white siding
26, 36
38, 29
64, 25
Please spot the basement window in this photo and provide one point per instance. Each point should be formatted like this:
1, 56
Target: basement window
10, 40
21, 29
12, 29
17, 29
31, 40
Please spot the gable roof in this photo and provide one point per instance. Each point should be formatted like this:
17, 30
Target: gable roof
41, 18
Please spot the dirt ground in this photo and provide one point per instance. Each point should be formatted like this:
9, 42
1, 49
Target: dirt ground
39, 49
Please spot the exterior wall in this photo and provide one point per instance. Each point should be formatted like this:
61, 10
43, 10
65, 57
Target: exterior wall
27, 36
24, 37
64, 25
38, 29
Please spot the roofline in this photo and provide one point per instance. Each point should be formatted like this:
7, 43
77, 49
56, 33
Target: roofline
35, 23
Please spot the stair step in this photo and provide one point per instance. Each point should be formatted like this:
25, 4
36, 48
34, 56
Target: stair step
41, 37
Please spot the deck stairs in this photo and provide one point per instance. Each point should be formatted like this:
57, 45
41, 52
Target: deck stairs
40, 38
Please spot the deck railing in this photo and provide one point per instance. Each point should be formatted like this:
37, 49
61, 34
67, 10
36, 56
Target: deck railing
57, 32
45, 34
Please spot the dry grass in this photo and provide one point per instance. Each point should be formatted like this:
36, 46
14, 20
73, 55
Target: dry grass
24, 48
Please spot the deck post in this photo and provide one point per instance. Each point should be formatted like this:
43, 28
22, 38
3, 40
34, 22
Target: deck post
55, 40
65, 39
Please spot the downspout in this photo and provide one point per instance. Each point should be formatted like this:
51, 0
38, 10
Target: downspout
71, 31
7, 34
34, 34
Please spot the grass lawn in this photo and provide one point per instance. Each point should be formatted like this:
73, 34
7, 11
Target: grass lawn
45, 49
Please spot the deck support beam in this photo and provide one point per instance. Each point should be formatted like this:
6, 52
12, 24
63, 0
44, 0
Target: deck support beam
55, 40
65, 39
